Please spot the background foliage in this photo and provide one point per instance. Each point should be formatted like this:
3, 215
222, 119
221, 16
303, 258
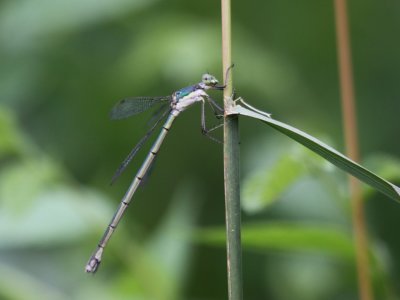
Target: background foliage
63, 64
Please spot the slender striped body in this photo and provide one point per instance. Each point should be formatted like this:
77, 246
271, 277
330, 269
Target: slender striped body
179, 101
95, 259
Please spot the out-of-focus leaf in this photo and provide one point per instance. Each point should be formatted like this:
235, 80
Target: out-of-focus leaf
304, 275
12, 279
266, 181
166, 258
285, 236
263, 188
23, 23
21, 183
325, 151
386, 166
175, 58
11, 141
56, 216
38, 210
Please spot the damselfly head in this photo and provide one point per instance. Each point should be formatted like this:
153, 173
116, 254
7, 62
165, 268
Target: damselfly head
209, 81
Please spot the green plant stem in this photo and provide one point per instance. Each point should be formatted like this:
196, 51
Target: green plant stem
231, 169
350, 129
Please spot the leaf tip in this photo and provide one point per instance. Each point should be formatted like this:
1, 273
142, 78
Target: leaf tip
397, 189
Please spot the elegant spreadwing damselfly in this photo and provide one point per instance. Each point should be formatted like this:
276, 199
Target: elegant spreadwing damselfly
176, 103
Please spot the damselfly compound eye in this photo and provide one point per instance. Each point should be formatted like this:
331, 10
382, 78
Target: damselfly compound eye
209, 79
206, 78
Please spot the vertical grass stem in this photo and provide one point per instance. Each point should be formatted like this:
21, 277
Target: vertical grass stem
350, 129
231, 169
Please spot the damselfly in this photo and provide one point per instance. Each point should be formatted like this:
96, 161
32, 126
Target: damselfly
177, 102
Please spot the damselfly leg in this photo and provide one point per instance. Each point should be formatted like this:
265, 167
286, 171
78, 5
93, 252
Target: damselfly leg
204, 129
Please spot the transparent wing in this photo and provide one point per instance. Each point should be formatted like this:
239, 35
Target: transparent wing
139, 145
131, 106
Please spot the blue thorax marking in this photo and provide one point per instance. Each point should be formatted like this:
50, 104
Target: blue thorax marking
185, 91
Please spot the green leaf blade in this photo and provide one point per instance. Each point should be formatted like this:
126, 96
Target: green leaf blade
325, 151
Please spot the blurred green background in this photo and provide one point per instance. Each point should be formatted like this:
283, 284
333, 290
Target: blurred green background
63, 64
